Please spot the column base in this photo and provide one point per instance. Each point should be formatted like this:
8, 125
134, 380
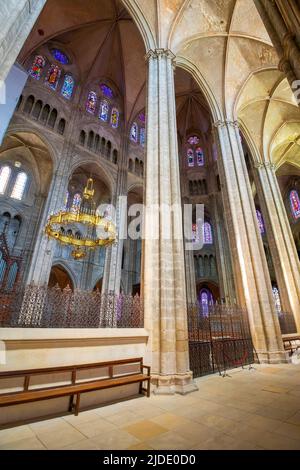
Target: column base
171, 384
274, 357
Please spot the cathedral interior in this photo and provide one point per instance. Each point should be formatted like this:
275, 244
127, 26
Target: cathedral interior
114, 106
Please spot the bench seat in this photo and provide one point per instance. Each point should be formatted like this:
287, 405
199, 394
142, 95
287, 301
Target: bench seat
74, 389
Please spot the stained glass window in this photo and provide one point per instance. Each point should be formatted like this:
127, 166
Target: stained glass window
76, 203
106, 90
194, 140
60, 56
142, 118
190, 158
134, 132
114, 120
104, 110
37, 67
260, 221
91, 102
19, 186
277, 300
295, 204
53, 76
5, 173
205, 299
200, 156
68, 86
207, 234
142, 136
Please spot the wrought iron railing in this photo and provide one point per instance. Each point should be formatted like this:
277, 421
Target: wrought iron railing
51, 307
219, 338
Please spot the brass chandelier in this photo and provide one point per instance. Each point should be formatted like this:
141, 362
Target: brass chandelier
98, 230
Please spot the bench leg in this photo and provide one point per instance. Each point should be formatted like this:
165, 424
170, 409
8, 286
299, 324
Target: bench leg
148, 388
71, 403
141, 388
77, 404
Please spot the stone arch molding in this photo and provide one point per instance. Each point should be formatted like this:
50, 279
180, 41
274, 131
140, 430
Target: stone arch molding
107, 176
62, 264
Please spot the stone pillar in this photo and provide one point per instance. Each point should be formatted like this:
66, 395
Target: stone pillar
227, 290
252, 280
17, 18
42, 257
276, 16
113, 260
164, 289
280, 237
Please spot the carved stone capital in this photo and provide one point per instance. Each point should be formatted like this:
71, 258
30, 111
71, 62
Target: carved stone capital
160, 54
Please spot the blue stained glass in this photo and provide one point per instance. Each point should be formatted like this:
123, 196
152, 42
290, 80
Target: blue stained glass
200, 156
106, 90
134, 132
142, 117
142, 136
190, 158
60, 56
260, 221
104, 109
295, 204
91, 102
207, 234
76, 203
68, 86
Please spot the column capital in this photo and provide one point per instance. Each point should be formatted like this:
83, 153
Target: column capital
227, 122
265, 165
159, 54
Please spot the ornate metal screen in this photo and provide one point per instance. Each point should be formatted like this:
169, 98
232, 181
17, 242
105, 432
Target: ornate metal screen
219, 338
44, 307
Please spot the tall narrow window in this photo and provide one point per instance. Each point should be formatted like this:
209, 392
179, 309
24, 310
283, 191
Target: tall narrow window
19, 186
200, 156
5, 173
53, 76
295, 204
260, 221
277, 300
76, 203
104, 110
205, 299
66, 201
134, 132
37, 67
142, 136
207, 234
68, 86
190, 158
91, 102
114, 120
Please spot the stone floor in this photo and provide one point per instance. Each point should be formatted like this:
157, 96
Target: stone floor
251, 409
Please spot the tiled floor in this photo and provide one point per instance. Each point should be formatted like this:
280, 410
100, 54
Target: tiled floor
252, 409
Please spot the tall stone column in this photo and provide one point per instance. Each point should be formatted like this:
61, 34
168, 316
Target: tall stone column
223, 258
252, 280
164, 289
17, 18
280, 237
42, 257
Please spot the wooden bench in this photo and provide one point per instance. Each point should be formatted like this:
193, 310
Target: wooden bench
290, 343
75, 388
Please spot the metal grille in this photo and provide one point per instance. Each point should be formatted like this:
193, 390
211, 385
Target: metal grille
44, 307
219, 339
